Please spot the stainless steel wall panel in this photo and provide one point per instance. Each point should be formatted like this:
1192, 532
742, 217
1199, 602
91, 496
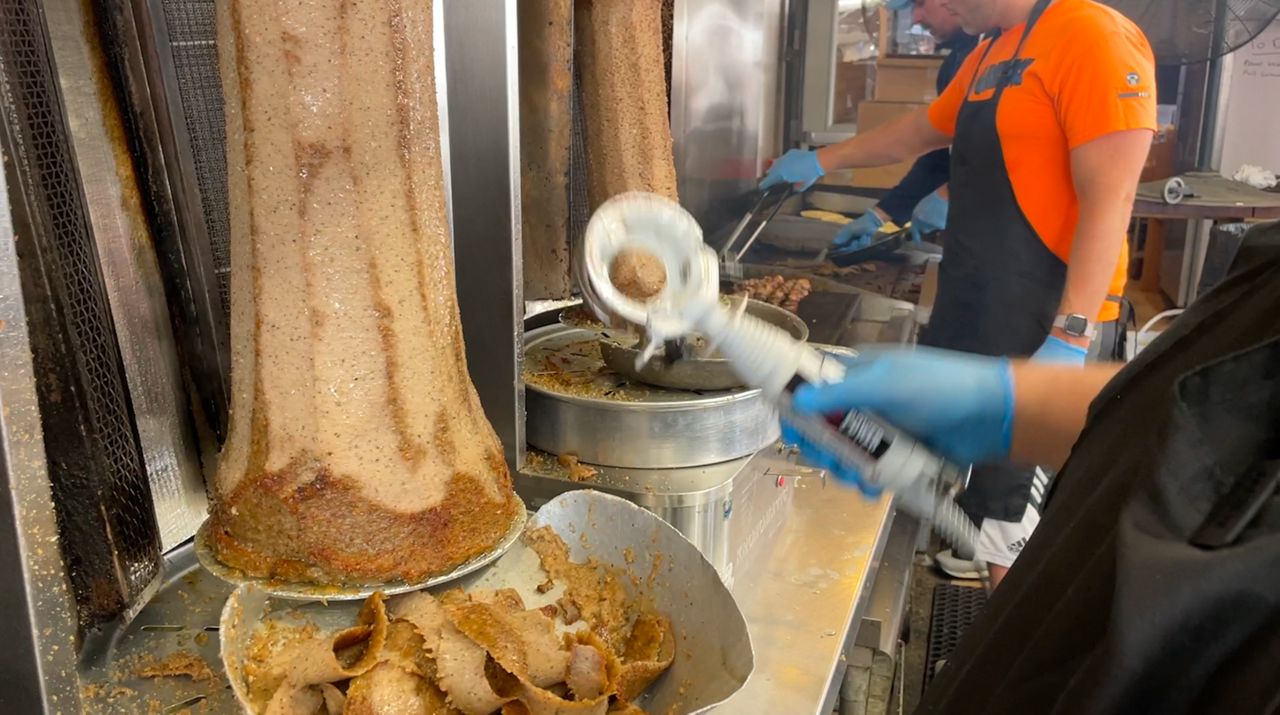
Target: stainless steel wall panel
726, 106
481, 57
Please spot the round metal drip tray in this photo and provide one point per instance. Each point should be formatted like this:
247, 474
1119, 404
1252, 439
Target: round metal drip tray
577, 405
315, 592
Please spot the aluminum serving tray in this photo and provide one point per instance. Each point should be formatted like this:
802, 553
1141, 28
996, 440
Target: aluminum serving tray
714, 656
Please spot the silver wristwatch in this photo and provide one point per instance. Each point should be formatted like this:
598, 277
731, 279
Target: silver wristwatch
1075, 325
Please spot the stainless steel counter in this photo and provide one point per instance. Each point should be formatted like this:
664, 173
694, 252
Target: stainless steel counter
804, 587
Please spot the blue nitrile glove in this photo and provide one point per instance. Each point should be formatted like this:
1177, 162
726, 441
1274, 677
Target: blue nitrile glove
959, 405
928, 216
798, 166
1057, 350
857, 233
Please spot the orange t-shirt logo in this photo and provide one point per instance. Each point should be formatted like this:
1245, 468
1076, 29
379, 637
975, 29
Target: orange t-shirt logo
1011, 70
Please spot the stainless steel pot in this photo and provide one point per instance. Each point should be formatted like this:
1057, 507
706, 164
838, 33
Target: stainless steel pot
619, 424
696, 372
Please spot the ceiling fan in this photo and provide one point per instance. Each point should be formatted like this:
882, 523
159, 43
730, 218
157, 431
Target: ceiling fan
1188, 32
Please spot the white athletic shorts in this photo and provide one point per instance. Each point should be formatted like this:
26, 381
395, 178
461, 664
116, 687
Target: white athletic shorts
1000, 542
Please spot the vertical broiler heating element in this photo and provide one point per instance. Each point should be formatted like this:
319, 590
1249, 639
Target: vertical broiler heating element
358, 450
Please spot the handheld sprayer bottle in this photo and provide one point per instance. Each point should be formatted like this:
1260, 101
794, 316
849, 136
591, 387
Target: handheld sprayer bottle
763, 355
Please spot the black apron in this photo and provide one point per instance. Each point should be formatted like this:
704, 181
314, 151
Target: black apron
1119, 603
999, 285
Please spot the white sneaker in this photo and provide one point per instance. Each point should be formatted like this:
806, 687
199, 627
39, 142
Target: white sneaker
956, 567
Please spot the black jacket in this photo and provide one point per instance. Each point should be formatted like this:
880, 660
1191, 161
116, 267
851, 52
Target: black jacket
1118, 604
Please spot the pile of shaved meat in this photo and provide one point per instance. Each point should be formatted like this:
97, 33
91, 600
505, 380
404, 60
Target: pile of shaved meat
593, 651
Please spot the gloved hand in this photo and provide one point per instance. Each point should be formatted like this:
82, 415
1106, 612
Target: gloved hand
929, 215
959, 405
1057, 350
857, 233
798, 166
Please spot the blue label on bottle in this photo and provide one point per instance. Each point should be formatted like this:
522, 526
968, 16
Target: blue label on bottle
865, 433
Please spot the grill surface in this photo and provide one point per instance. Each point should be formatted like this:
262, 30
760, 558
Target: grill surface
108, 530
954, 609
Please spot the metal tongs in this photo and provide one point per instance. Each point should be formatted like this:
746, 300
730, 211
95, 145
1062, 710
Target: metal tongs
881, 245
731, 261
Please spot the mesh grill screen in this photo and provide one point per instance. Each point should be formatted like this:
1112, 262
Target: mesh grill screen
192, 31
579, 204
98, 477
668, 40
955, 608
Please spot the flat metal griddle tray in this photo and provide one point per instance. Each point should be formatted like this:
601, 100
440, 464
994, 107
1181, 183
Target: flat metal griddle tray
713, 648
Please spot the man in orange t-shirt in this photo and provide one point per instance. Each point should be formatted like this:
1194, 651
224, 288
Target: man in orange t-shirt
1049, 120
1060, 96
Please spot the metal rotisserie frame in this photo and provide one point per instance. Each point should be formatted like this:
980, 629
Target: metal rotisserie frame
100, 467
95, 465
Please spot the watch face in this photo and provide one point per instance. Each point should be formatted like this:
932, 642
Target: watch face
1076, 325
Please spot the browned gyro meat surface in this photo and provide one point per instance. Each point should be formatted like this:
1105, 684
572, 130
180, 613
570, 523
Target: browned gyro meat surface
358, 451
